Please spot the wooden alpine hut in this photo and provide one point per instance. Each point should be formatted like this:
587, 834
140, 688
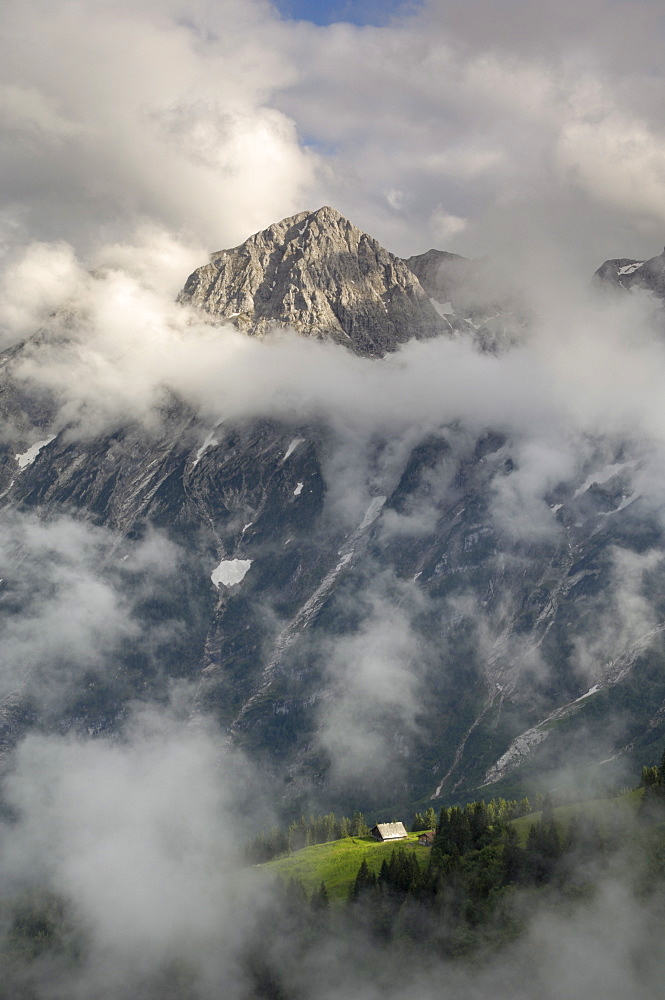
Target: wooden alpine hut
389, 831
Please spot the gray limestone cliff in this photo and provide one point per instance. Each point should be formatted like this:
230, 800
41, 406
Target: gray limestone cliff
322, 276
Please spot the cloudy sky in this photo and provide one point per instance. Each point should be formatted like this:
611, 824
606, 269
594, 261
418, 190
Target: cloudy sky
481, 127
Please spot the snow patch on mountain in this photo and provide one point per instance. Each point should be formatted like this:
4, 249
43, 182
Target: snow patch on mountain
292, 447
209, 442
598, 478
443, 308
371, 515
626, 502
592, 690
28, 457
229, 572
629, 268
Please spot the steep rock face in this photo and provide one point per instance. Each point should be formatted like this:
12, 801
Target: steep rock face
259, 494
317, 273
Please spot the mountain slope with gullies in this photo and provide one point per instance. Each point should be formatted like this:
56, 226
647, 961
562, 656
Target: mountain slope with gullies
334, 596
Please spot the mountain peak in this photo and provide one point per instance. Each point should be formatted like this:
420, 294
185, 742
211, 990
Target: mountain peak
319, 274
328, 214
625, 272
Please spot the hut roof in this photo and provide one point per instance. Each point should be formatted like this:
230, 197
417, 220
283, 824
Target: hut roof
390, 831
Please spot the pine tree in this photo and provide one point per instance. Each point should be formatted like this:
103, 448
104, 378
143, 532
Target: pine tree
328, 828
419, 823
513, 856
365, 881
319, 899
430, 819
661, 771
359, 827
650, 777
548, 810
478, 821
384, 875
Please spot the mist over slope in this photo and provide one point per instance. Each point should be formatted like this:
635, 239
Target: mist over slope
442, 559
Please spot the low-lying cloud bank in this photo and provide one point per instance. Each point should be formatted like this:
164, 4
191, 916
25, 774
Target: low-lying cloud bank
141, 836
113, 347
136, 845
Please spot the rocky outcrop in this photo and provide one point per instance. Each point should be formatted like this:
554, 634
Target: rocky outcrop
473, 297
322, 276
440, 273
624, 272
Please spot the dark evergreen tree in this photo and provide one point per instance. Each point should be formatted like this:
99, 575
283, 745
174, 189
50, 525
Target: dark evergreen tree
478, 820
419, 823
365, 881
513, 855
384, 874
359, 827
543, 850
319, 900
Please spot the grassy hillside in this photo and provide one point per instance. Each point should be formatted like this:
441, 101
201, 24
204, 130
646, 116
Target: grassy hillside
601, 810
337, 863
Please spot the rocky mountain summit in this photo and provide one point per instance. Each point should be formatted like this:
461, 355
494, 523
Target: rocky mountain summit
322, 276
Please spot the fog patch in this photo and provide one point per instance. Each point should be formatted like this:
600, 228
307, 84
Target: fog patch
71, 597
140, 836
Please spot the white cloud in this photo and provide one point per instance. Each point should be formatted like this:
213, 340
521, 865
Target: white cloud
71, 605
160, 111
445, 226
139, 837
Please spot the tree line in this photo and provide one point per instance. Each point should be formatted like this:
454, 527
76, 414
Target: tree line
322, 829
476, 861
303, 833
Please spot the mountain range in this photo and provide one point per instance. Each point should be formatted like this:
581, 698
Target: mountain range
409, 629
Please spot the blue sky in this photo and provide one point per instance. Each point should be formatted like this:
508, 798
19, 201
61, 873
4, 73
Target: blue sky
355, 11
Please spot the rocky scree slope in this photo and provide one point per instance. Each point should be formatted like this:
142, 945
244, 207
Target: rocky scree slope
278, 578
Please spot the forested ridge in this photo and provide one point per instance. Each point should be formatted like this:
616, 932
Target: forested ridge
469, 897
485, 877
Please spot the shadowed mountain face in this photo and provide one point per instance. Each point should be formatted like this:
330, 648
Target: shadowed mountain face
333, 597
474, 296
627, 273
